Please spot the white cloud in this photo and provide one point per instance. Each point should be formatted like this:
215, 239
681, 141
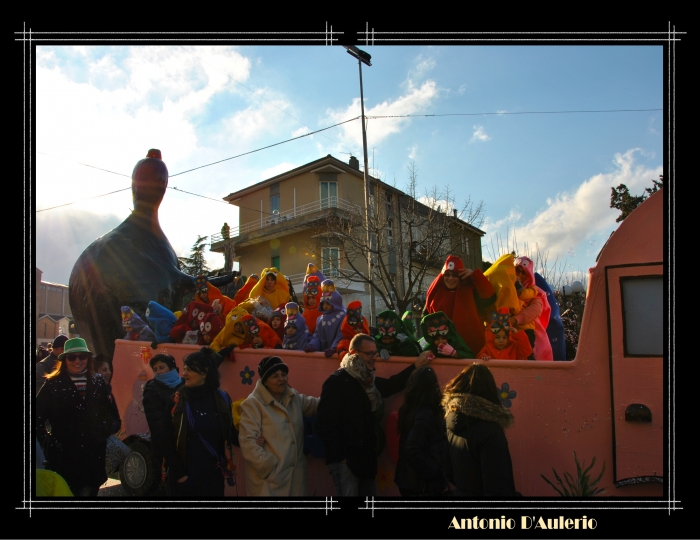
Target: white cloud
462, 89
301, 131
413, 152
277, 169
479, 135
423, 65
572, 218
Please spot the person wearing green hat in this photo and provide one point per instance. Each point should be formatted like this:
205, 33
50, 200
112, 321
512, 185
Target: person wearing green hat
76, 402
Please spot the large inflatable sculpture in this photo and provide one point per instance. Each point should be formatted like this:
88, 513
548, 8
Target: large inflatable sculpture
129, 266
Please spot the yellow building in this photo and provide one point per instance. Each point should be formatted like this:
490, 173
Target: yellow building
287, 221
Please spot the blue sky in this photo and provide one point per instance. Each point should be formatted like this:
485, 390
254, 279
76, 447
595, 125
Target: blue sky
544, 178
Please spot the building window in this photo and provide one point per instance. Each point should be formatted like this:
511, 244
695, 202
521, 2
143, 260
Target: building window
275, 204
388, 204
43, 287
330, 261
275, 261
329, 194
389, 232
465, 245
643, 310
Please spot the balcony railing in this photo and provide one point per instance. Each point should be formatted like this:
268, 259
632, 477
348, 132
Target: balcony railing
282, 217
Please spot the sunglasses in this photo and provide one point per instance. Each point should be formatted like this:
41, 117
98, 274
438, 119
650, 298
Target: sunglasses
73, 357
370, 354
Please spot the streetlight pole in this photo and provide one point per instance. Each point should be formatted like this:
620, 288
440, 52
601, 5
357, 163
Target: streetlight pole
363, 57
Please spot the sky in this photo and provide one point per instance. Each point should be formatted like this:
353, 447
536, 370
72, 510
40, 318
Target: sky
508, 137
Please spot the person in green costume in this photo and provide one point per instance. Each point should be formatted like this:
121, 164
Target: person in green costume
442, 338
409, 324
392, 337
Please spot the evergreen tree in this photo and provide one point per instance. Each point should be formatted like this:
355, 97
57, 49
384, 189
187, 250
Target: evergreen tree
195, 264
621, 199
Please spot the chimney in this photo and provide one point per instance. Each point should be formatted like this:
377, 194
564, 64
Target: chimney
354, 163
454, 212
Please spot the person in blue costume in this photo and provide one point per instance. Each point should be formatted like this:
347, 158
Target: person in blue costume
161, 320
328, 334
555, 328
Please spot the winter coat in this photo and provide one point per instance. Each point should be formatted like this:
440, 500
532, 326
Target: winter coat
157, 404
44, 367
278, 468
80, 426
192, 458
423, 464
346, 423
479, 455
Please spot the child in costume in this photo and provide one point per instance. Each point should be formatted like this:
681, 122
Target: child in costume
209, 294
161, 320
189, 321
504, 342
353, 323
296, 335
136, 328
409, 324
209, 328
312, 296
392, 338
327, 334
535, 310
277, 319
442, 338
260, 334
243, 293
233, 333
273, 286
464, 296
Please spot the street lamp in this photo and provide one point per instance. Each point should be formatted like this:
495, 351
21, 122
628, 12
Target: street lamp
364, 58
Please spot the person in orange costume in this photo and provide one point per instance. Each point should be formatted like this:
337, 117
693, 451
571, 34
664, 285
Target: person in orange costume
353, 323
209, 294
312, 302
242, 294
260, 334
503, 342
461, 294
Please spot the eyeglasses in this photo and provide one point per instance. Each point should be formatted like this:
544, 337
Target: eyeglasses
451, 274
74, 357
370, 354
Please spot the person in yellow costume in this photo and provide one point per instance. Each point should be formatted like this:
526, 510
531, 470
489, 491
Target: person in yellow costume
51, 484
502, 277
273, 286
234, 331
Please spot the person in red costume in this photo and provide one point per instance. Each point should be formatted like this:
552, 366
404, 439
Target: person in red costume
504, 342
209, 294
353, 323
261, 335
463, 295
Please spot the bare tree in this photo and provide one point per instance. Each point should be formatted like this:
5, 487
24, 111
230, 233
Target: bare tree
411, 236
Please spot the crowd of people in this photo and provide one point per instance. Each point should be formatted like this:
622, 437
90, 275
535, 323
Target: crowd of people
451, 438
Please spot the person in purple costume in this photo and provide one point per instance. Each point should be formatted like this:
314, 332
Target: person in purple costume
328, 334
296, 335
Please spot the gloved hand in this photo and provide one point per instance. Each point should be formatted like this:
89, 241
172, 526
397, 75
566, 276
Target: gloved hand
154, 344
401, 337
330, 351
384, 354
446, 349
310, 348
227, 352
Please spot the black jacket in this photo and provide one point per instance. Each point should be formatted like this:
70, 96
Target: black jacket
346, 424
423, 464
76, 447
481, 464
158, 404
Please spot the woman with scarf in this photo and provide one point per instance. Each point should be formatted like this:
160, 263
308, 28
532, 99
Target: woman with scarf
463, 295
202, 424
157, 404
76, 402
476, 419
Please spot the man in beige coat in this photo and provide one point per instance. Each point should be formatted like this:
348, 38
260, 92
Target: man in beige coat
275, 412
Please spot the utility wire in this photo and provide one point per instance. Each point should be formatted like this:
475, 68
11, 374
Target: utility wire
265, 147
253, 91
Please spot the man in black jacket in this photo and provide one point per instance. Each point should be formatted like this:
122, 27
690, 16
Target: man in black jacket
349, 413
48, 364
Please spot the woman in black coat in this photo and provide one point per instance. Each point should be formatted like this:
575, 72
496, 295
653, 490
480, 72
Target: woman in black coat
423, 464
76, 402
476, 419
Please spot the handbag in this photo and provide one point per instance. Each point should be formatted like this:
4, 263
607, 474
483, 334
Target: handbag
116, 453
